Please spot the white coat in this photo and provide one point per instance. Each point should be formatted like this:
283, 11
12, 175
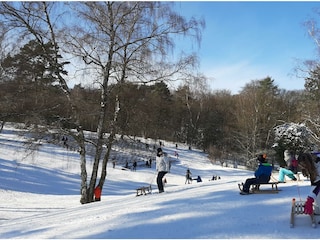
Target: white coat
162, 164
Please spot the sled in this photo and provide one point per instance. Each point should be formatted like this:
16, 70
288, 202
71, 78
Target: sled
257, 190
297, 209
144, 190
274, 186
240, 185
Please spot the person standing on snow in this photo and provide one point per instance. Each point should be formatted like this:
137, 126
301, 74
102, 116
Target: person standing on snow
188, 177
134, 166
162, 167
310, 169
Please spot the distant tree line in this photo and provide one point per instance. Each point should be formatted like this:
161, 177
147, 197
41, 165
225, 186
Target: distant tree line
217, 122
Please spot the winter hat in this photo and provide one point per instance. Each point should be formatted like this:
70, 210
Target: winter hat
159, 150
261, 158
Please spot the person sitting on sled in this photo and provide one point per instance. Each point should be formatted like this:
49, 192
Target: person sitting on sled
310, 169
262, 175
199, 179
289, 170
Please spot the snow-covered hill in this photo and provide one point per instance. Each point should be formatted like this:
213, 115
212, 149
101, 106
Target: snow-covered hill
39, 198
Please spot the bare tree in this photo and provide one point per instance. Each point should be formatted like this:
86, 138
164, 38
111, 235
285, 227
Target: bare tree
117, 42
195, 91
256, 115
33, 20
125, 41
310, 72
4, 105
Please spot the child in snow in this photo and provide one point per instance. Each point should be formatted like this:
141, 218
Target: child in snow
188, 176
290, 170
311, 170
262, 175
97, 194
199, 179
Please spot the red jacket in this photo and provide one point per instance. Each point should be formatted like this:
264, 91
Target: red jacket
97, 192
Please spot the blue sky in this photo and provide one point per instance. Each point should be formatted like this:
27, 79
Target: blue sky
245, 41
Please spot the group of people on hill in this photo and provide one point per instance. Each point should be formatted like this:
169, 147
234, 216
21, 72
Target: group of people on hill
264, 171
309, 166
306, 162
189, 178
163, 167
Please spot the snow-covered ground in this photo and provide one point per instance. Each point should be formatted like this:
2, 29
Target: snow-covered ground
39, 198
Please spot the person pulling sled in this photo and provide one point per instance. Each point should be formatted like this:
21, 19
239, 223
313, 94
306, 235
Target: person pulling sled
188, 177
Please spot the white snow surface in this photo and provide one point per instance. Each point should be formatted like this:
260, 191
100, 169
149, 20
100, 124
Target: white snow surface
39, 199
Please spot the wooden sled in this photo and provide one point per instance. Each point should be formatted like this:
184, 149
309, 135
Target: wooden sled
255, 189
144, 190
297, 209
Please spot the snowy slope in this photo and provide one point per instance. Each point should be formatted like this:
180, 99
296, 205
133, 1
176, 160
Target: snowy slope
39, 198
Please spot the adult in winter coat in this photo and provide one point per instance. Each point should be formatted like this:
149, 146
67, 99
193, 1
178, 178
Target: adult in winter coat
162, 167
262, 175
311, 169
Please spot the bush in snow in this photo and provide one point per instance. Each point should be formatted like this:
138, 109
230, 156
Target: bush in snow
292, 136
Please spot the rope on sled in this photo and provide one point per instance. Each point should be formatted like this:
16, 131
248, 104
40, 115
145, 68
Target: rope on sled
153, 177
298, 189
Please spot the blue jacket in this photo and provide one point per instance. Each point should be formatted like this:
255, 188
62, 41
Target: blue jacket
264, 170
